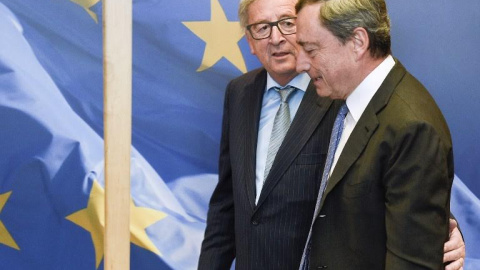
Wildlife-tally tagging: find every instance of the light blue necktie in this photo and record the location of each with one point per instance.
(281, 123)
(332, 147)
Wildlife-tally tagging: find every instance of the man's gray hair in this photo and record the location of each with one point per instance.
(342, 17)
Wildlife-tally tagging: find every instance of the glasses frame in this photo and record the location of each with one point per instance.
(271, 24)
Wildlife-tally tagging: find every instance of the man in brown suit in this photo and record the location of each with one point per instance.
(385, 196)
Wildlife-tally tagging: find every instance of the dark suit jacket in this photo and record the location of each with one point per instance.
(272, 234)
(386, 205)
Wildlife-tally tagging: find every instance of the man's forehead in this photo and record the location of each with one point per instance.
(264, 10)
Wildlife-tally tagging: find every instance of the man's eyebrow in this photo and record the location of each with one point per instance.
(280, 18)
(303, 43)
(287, 15)
(261, 21)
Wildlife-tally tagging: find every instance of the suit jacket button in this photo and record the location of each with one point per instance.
(255, 222)
(322, 267)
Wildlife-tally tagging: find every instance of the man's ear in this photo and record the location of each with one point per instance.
(360, 41)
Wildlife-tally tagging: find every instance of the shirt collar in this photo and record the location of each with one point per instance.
(358, 100)
(300, 82)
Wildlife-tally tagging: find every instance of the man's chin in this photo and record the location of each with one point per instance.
(285, 70)
(321, 91)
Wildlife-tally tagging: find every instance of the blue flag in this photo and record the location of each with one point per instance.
(184, 54)
(438, 44)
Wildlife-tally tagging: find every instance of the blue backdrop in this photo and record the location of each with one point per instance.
(51, 115)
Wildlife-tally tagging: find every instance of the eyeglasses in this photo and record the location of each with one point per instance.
(286, 26)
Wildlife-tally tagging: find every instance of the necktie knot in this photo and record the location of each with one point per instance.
(342, 113)
(285, 92)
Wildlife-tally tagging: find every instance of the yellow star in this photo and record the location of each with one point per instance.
(5, 237)
(221, 37)
(87, 4)
(92, 219)
(141, 218)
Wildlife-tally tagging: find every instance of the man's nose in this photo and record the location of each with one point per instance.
(276, 37)
(303, 64)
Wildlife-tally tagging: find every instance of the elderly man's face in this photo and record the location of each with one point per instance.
(326, 60)
(278, 52)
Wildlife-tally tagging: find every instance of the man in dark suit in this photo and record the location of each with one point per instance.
(386, 199)
(263, 221)
(263, 218)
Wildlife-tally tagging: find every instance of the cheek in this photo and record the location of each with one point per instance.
(261, 51)
(321, 64)
(252, 50)
(256, 46)
(333, 66)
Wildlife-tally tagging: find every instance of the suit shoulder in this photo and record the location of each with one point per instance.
(412, 94)
(249, 77)
(412, 105)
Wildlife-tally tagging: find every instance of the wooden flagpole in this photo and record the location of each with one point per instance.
(117, 68)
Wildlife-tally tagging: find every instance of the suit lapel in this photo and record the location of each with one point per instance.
(253, 99)
(353, 148)
(309, 114)
(365, 128)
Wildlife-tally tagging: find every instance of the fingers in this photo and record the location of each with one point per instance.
(454, 252)
(456, 265)
(452, 225)
(455, 241)
(454, 249)
(454, 255)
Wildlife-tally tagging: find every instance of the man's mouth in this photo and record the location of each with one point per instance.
(280, 54)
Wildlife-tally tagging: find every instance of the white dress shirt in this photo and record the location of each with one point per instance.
(270, 104)
(358, 100)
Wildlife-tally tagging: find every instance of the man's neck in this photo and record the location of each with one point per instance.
(370, 65)
(283, 80)
(366, 67)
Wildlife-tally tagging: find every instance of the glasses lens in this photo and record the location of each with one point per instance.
(260, 30)
(288, 26)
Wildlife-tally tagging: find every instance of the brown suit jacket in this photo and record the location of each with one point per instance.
(386, 205)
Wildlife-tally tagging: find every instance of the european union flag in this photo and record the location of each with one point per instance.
(184, 54)
(48, 152)
(51, 109)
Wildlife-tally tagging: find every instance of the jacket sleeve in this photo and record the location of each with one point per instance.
(417, 192)
(218, 246)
